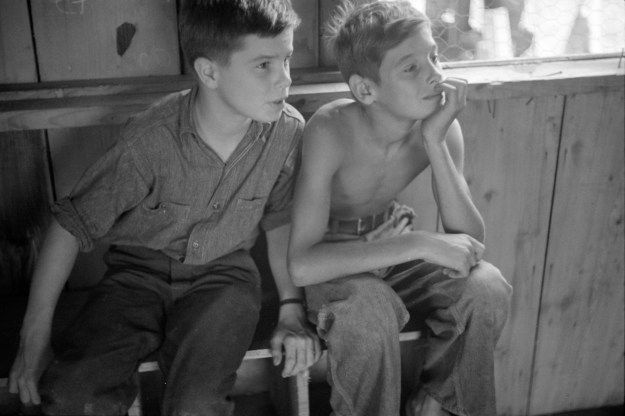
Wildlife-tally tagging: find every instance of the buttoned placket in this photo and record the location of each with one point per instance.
(201, 232)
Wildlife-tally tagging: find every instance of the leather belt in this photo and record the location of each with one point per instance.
(360, 226)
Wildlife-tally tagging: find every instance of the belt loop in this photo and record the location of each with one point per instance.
(359, 226)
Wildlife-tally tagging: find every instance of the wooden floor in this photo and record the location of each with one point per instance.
(260, 405)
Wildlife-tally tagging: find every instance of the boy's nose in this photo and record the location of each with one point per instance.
(436, 75)
(284, 80)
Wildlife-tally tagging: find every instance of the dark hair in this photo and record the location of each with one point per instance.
(213, 28)
(360, 36)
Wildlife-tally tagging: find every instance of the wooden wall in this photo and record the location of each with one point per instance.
(544, 160)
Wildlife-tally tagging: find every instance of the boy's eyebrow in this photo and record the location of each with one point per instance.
(270, 56)
(405, 58)
(409, 56)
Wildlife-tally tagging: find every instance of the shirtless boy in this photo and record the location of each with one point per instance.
(353, 247)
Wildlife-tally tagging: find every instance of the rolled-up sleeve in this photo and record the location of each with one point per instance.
(112, 186)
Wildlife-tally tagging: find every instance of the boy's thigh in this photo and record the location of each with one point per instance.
(359, 301)
(222, 305)
(98, 354)
(124, 312)
(423, 287)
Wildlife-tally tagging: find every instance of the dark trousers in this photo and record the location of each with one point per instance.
(200, 319)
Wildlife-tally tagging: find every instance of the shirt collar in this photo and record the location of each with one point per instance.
(256, 131)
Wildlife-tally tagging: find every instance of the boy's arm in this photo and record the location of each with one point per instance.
(313, 261)
(301, 345)
(444, 144)
(55, 262)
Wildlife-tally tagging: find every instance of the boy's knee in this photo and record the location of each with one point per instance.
(493, 283)
(71, 389)
(491, 292)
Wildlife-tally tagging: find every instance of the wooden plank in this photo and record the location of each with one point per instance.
(88, 39)
(510, 160)
(326, 9)
(17, 58)
(306, 39)
(72, 151)
(97, 103)
(23, 207)
(579, 352)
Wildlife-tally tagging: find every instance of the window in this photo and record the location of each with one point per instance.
(505, 29)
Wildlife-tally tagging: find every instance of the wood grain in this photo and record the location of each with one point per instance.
(579, 350)
(510, 161)
(81, 39)
(306, 37)
(17, 57)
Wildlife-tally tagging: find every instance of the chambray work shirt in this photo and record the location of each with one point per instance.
(163, 188)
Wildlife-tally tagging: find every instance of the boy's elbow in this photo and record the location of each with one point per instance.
(297, 271)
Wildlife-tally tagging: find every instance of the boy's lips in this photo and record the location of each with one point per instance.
(435, 95)
(279, 101)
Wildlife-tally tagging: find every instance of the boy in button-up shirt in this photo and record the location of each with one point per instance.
(180, 198)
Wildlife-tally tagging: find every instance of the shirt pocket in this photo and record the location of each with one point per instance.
(156, 226)
(248, 212)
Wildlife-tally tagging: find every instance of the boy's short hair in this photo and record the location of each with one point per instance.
(214, 29)
(361, 35)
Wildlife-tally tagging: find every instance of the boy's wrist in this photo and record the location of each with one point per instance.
(434, 144)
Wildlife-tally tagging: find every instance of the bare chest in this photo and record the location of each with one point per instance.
(369, 180)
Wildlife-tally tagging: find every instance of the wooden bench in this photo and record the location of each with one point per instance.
(297, 402)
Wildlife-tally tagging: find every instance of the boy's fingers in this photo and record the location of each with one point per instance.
(24, 396)
(455, 89)
(13, 384)
(402, 226)
(290, 356)
(310, 353)
(372, 235)
(276, 350)
(318, 350)
(34, 392)
(296, 356)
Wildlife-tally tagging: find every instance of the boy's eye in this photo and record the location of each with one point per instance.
(263, 65)
(411, 68)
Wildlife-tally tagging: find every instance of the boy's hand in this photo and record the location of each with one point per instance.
(434, 128)
(33, 357)
(456, 253)
(294, 335)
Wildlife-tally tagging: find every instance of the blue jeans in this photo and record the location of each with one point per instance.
(200, 319)
(360, 318)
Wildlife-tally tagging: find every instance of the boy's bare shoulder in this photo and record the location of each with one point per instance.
(334, 120)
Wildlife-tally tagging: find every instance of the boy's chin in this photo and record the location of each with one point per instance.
(427, 112)
(267, 117)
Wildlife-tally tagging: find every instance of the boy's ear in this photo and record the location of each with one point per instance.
(207, 71)
(362, 88)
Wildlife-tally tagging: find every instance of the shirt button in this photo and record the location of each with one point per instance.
(195, 245)
(216, 206)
